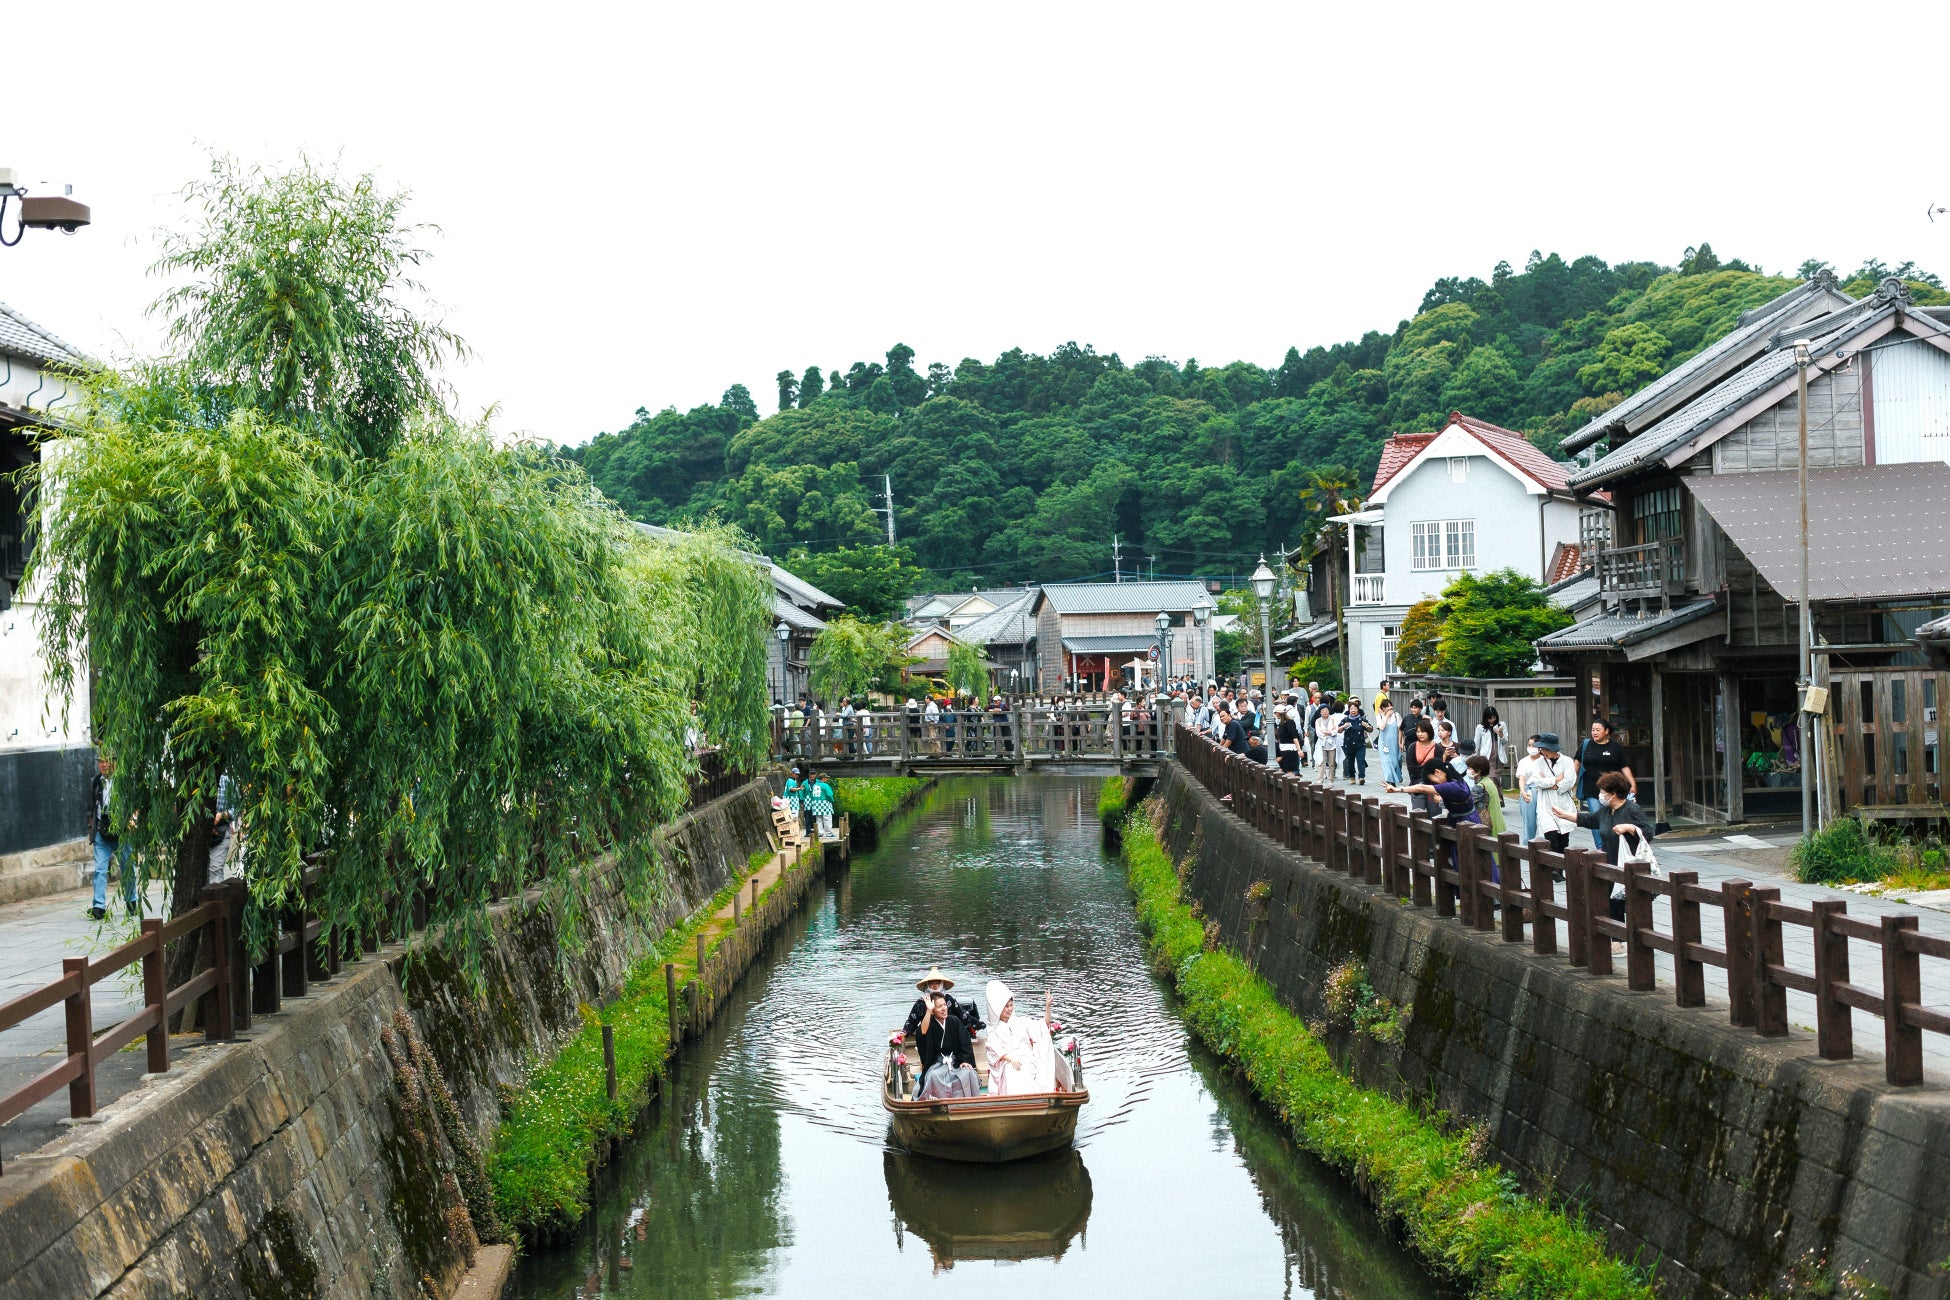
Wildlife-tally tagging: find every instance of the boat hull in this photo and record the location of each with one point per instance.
(987, 1130)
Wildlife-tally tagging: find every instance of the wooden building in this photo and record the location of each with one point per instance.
(1691, 654)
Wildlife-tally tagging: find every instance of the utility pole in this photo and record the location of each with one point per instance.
(1806, 661)
(1116, 558)
(887, 481)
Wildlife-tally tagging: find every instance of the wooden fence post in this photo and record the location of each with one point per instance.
(670, 1001)
(1834, 1018)
(1770, 998)
(296, 972)
(155, 994)
(1688, 972)
(1902, 985)
(81, 1038)
(1543, 926)
(1468, 900)
(609, 1060)
(1509, 881)
(227, 957)
(1597, 897)
(1372, 855)
(1641, 974)
(1419, 856)
(1737, 916)
(1577, 909)
(1117, 731)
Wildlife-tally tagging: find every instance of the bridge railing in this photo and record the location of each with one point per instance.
(1112, 732)
(1499, 884)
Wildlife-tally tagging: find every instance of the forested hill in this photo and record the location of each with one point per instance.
(1023, 468)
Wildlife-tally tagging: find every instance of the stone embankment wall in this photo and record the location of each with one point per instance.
(1713, 1157)
(301, 1160)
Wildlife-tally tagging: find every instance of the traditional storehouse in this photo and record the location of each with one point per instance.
(1692, 655)
(46, 756)
(1469, 498)
(1088, 632)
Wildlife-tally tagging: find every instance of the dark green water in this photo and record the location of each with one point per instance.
(766, 1169)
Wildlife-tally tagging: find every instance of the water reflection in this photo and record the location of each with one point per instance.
(1032, 1209)
(767, 1170)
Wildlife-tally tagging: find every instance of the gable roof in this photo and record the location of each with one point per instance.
(1511, 449)
(1828, 336)
(1125, 597)
(1803, 303)
(1011, 624)
(20, 337)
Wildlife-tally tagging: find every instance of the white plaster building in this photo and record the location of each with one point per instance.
(1471, 497)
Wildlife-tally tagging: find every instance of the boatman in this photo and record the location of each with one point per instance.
(930, 984)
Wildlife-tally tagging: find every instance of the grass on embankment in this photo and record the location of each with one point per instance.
(1112, 800)
(1461, 1214)
(552, 1127)
(875, 797)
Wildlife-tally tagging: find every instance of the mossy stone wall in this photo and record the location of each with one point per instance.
(1713, 1156)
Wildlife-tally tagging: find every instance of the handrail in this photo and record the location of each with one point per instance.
(1489, 882)
(1020, 734)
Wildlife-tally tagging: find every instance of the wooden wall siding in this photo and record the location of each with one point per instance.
(1706, 549)
(1770, 440)
(1887, 737)
(1756, 613)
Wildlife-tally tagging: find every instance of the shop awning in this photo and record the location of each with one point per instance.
(1108, 645)
(1874, 531)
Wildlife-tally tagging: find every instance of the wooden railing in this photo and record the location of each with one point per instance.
(1654, 569)
(1114, 732)
(1497, 883)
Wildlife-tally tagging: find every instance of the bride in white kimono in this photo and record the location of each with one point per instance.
(1022, 1057)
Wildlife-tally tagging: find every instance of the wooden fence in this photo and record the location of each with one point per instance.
(230, 988)
(1885, 758)
(1499, 884)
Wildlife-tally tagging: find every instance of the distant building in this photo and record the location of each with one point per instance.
(1468, 498)
(46, 759)
(1001, 621)
(1087, 633)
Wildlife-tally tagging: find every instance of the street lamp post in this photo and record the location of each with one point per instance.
(1804, 663)
(1263, 582)
(1164, 648)
(784, 634)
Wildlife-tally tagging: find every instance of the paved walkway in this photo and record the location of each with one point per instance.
(1762, 858)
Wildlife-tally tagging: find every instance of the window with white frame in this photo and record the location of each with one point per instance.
(1459, 469)
(1443, 544)
(1389, 637)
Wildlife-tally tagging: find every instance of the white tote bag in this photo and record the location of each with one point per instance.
(1635, 850)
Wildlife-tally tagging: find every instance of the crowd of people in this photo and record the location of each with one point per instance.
(1424, 755)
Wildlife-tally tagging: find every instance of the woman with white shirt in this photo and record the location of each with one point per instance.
(1327, 742)
(1532, 772)
(1493, 743)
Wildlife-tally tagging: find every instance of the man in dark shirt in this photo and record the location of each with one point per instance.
(1233, 730)
(1256, 748)
(1598, 755)
(930, 984)
(942, 1039)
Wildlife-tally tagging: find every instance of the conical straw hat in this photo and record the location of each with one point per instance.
(934, 973)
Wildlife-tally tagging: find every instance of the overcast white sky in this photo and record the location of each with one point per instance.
(641, 205)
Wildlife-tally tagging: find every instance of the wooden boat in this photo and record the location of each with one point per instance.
(984, 1129)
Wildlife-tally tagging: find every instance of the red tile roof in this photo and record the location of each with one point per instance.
(1567, 562)
(1512, 446)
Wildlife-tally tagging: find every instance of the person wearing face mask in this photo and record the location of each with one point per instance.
(1617, 821)
(1532, 772)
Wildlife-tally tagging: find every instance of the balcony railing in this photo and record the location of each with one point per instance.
(1654, 570)
(1369, 588)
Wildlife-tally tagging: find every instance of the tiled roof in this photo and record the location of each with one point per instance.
(1578, 589)
(1126, 597)
(794, 617)
(1618, 630)
(1754, 326)
(1108, 645)
(1010, 624)
(1395, 455)
(1399, 451)
(21, 337)
(1568, 562)
(1722, 399)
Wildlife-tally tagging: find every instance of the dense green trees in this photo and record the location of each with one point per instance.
(1481, 626)
(1023, 468)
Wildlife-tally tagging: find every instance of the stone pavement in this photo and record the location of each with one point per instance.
(1761, 858)
(34, 937)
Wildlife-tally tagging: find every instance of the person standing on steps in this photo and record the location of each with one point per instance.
(821, 805)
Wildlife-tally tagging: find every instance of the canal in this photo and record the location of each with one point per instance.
(766, 1170)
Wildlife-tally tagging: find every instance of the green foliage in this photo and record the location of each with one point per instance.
(1325, 669)
(874, 581)
(441, 662)
(1488, 625)
(968, 671)
(851, 657)
(553, 1125)
(1846, 850)
(874, 797)
(1419, 642)
(297, 302)
(1460, 1213)
(1112, 800)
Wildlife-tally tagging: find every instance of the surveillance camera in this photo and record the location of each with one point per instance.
(52, 212)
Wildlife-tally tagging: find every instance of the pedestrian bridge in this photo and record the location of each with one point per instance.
(1080, 740)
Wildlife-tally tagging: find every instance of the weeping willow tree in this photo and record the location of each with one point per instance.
(442, 665)
(968, 670)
